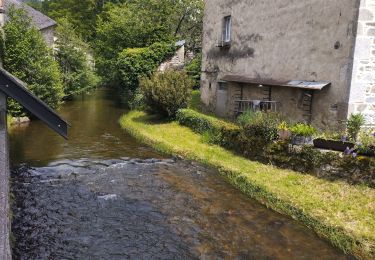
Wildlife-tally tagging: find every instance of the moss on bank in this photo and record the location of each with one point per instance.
(342, 213)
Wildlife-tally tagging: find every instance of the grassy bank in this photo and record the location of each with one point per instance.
(342, 213)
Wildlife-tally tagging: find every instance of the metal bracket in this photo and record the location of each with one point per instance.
(17, 90)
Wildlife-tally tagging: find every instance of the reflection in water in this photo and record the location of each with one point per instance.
(94, 133)
(111, 207)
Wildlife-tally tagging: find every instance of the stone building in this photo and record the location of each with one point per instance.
(45, 24)
(310, 60)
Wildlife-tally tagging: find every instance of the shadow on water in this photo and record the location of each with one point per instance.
(102, 195)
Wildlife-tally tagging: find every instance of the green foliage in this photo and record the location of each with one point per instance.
(132, 64)
(354, 124)
(283, 126)
(136, 100)
(333, 135)
(194, 70)
(261, 125)
(82, 14)
(367, 142)
(166, 93)
(27, 57)
(72, 55)
(215, 131)
(301, 129)
(140, 23)
(135, 24)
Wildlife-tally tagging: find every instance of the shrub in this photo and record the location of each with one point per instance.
(134, 63)
(165, 93)
(304, 130)
(215, 131)
(261, 125)
(354, 124)
(27, 56)
(283, 126)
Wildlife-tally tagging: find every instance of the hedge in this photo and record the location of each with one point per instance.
(304, 159)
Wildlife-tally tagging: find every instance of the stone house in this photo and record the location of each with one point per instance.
(177, 60)
(45, 24)
(310, 60)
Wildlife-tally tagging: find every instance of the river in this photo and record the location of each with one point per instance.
(103, 195)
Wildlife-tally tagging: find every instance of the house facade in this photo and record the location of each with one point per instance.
(45, 24)
(310, 60)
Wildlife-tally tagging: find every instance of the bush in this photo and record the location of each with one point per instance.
(215, 131)
(165, 93)
(261, 125)
(27, 56)
(354, 124)
(72, 55)
(134, 63)
(304, 130)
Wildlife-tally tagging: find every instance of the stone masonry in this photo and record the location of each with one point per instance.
(362, 94)
(283, 40)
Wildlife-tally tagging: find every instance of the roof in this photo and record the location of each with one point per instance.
(302, 84)
(40, 20)
(180, 43)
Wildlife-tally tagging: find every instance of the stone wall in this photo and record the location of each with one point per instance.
(284, 40)
(177, 61)
(362, 94)
(49, 35)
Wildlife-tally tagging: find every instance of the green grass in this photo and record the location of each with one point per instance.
(340, 212)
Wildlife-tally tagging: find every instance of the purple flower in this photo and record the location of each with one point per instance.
(347, 151)
(344, 138)
(354, 155)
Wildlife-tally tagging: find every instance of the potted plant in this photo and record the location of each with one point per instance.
(302, 134)
(333, 141)
(283, 131)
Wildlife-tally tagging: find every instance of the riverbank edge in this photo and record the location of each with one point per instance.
(136, 123)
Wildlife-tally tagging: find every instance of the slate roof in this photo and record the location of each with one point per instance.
(40, 20)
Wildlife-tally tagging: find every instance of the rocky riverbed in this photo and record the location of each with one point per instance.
(143, 209)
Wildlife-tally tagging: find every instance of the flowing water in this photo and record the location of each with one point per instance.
(102, 195)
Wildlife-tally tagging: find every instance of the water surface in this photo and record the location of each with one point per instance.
(102, 195)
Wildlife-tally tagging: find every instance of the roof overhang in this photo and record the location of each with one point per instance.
(301, 84)
(17, 90)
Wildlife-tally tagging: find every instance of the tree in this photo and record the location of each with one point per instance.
(27, 56)
(134, 24)
(72, 53)
(134, 63)
(188, 18)
(81, 13)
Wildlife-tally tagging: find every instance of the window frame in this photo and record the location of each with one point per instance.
(227, 30)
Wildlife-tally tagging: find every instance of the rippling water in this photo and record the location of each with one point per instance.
(102, 195)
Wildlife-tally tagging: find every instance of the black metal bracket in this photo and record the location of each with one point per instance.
(17, 90)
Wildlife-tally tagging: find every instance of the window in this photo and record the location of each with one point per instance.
(227, 30)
